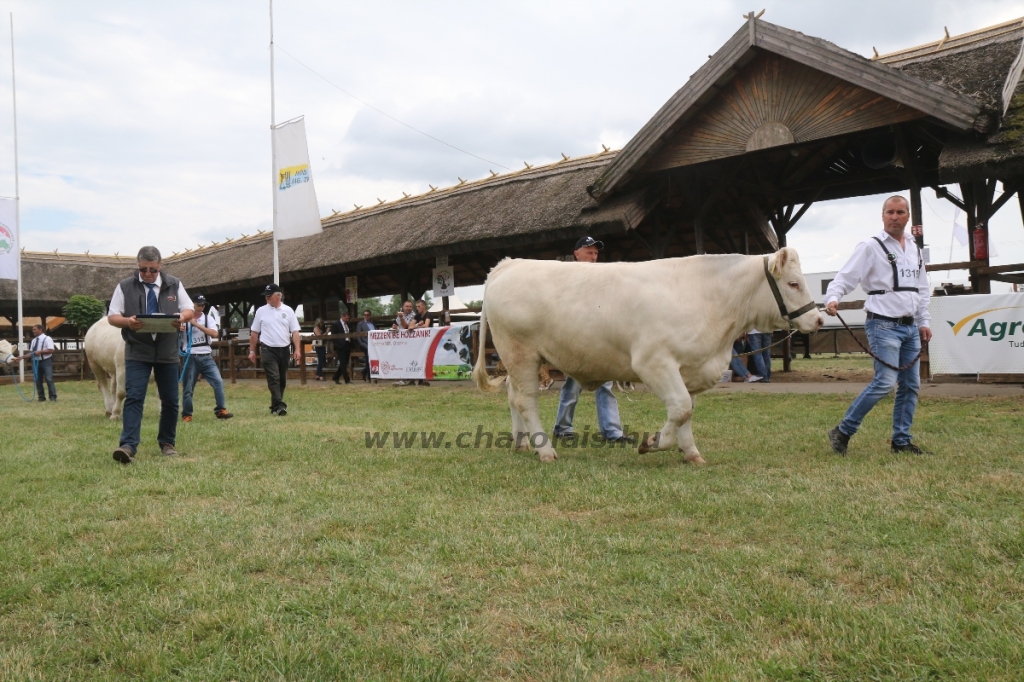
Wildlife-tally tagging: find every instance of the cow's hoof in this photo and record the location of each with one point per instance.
(694, 459)
(109, 415)
(548, 457)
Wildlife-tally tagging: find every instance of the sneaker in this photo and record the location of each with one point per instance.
(628, 440)
(223, 414)
(567, 438)
(753, 379)
(186, 418)
(167, 450)
(909, 448)
(839, 441)
(399, 383)
(281, 412)
(124, 454)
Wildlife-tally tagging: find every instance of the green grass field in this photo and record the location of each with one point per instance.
(284, 548)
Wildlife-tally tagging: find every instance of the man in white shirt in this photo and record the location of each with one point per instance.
(274, 327)
(890, 267)
(205, 327)
(149, 292)
(41, 350)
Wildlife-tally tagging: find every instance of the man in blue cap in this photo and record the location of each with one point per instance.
(608, 419)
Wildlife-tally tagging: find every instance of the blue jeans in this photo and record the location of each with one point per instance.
(736, 364)
(201, 364)
(136, 381)
(44, 372)
(762, 360)
(896, 344)
(608, 419)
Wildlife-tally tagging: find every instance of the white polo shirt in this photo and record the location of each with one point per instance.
(870, 267)
(275, 325)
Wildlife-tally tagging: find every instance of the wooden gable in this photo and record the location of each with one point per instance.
(775, 101)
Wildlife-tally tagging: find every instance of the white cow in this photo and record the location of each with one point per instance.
(668, 323)
(6, 352)
(104, 347)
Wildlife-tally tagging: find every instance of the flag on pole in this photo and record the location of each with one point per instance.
(8, 239)
(297, 212)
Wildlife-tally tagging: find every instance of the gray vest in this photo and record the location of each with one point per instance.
(142, 347)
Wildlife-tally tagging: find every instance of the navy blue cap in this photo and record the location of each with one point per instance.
(272, 289)
(588, 241)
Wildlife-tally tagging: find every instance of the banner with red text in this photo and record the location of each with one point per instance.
(428, 353)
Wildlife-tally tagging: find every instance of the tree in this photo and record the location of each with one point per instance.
(83, 311)
(475, 304)
(394, 305)
(374, 305)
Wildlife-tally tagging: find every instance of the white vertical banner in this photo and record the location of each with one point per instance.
(8, 239)
(297, 212)
(444, 281)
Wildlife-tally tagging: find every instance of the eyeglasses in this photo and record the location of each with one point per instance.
(152, 271)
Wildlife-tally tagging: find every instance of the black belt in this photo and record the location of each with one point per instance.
(907, 320)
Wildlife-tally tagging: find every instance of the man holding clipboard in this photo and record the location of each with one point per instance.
(150, 307)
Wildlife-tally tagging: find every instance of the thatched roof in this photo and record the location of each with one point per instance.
(546, 203)
(978, 65)
(49, 280)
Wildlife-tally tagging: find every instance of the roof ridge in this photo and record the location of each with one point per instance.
(948, 42)
(86, 257)
(472, 185)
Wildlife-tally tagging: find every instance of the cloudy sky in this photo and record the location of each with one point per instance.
(148, 122)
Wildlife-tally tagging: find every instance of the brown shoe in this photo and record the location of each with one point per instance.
(223, 414)
(124, 454)
(167, 450)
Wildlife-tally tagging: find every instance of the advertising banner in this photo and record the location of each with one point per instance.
(979, 334)
(8, 246)
(429, 353)
(297, 212)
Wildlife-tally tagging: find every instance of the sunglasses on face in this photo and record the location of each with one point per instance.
(152, 271)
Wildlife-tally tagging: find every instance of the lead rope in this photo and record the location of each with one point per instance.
(868, 350)
(14, 378)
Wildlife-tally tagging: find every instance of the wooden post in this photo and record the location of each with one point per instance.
(231, 361)
(787, 358)
(447, 315)
(916, 216)
(302, 361)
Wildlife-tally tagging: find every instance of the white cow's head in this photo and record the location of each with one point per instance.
(6, 352)
(784, 272)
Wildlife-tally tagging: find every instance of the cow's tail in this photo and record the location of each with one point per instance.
(484, 380)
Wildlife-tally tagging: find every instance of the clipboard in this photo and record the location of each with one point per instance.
(157, 324)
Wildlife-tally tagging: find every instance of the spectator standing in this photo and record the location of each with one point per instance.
(422, 318)
(363, 342)
(319, 331)
(406, 318)
(342, 347)
(274, 327)
(761, 341)
(737, 364)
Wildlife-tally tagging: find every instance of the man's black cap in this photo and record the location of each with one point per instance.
(588, 241)
(272, 289)
(199, 299)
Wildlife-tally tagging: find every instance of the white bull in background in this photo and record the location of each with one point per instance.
(669, 323)
(6, 353)
(104, 347)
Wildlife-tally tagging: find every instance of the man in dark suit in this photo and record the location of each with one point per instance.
(365, 325)
(342, 347)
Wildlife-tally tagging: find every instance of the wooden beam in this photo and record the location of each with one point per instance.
(961, 265)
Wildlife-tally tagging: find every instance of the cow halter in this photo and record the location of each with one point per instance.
(778, 298)
(7, 360)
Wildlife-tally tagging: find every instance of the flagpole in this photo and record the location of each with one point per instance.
(17, 208)
(273, 146)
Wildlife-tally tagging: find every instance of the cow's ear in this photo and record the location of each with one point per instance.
(779, 262)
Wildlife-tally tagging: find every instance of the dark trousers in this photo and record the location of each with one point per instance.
(343, 354)
(136, 381)
(366, 363)
(275, 366)
(321, 360)
(44, 372)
